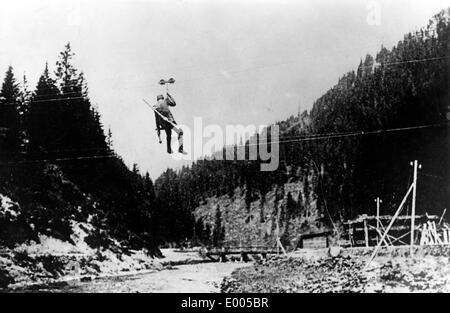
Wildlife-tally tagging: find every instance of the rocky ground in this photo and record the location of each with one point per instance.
(176, 272)
(188, 278)
(55, 262)
(393, 271)
(53, 266)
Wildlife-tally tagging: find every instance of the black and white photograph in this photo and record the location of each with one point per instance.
(224, 147)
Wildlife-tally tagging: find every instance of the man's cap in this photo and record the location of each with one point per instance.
(159, 97)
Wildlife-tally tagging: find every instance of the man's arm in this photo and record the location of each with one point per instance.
(170, 100)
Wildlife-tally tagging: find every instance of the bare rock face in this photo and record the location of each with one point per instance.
(334, 251)
(256, 223)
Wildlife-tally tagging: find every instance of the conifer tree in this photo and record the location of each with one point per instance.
(43, 120)
(82, 131)
(11, 138)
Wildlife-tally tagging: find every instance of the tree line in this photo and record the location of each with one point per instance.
(406, 86)
(57, 161)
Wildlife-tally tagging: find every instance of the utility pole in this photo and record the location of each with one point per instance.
(413, 209)
(378, 201)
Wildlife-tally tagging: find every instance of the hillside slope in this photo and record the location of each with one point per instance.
(60, 176)
(355, 144)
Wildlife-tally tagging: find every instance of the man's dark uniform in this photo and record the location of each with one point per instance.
(163, 108)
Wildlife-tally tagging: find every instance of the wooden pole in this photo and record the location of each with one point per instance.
(378, 201)
(442, 216)
(380, 234)
(281, 246)
(413, 209)
(160, 115)
(366, 233)
(389, 226)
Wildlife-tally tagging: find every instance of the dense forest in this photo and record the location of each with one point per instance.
(60, 167)
(355, 144)
(394, 108)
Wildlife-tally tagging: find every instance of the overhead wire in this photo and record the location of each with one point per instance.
(297, 138)
(350, 134)
(59, 159)
(239, 70)
(324, 136)
(232, 71)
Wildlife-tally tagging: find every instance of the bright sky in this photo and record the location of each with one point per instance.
(235, 62)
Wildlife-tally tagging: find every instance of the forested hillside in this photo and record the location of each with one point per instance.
(59, 167)
(355, 144)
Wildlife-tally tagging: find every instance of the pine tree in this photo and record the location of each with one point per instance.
(43, 120)
(24, 97)
(10, 121)
(66, 74)
(82, 131)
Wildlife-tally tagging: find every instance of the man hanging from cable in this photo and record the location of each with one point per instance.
(165, 121)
